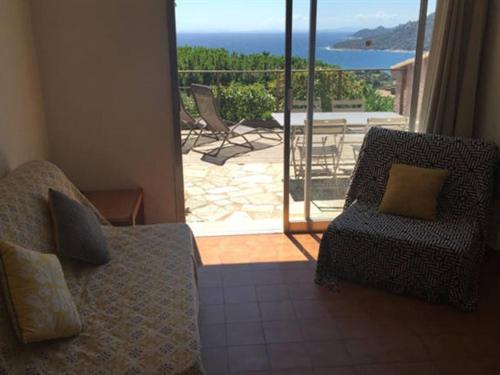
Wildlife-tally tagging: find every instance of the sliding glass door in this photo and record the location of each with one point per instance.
(366, 63)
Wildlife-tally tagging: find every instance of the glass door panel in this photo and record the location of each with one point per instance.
(366, 55)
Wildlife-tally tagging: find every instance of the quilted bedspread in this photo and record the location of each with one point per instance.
(139, 311)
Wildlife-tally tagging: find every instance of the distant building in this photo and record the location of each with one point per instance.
(403, 75)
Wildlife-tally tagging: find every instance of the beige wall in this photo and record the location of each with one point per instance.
(22, 131)
(488, 97)
(104, 68)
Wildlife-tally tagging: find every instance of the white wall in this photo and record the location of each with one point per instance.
(488, 98)
(106, 84)
(22, 129)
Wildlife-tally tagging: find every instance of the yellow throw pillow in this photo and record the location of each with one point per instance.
(36, 294)
(413, 191)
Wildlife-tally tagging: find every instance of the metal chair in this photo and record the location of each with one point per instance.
(324, 153)
(299, 105)
(195, 126)
(349, 105)
(395, 123)
(220, 128)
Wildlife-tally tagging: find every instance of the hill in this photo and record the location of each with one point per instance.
(400, 37)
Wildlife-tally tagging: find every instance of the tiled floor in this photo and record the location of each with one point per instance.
(261, 314)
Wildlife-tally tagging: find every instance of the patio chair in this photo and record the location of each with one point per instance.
(195, 126)
(299, 105)
(395, 123)
(326, 151)
(224, 130)
(439, 260)
(349, 105)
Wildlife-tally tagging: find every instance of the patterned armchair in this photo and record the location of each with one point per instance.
(435, 260)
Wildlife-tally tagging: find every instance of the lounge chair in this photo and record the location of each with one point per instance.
(195, 126)
(220, 128)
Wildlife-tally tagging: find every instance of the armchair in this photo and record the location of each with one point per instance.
(435, 260)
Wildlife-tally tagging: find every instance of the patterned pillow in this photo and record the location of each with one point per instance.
(39, 302)
(77, 231)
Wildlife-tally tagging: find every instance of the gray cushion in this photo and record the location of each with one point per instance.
(77, 231)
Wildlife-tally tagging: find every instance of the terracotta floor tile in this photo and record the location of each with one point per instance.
(447, 346)
(245, 334)
(248, 358)
(237, 278)
(311, 309)
(328, 353)
(461, 366)
(308, 291)
(289, 356)
(294, 372)
(242, 312)
(215, 360)
(211, 296)
(239, 294)
(344, 370)
(209, 278)
(319, 329)
(399, 369)
(300, 276)
(268, 292)
(404, 349)
(282, 331)
(268, 277)
(272, 293)
(213, 335)
(281, 310)
(212, 314)
(356, 328)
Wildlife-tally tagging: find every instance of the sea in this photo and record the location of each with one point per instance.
(274, 43)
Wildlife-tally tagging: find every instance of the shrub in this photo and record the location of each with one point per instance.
(374, 102)
(239, 101)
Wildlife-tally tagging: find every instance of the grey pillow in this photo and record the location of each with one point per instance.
(77, 231)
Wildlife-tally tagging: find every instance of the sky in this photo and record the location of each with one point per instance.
(269, 15)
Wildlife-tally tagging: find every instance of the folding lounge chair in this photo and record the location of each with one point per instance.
(195, 127)
(224, 130)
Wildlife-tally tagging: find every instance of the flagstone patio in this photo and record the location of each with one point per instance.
(245, 194)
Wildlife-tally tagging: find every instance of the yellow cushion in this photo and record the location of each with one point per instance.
(413, 191)
(38, 299)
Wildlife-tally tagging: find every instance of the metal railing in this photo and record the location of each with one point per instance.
(334, 85)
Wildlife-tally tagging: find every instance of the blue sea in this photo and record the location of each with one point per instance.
(274, 43)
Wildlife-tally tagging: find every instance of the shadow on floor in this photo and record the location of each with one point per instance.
(269, 317)
(234, 151)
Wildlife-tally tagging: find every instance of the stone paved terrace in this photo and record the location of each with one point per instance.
(245, 194)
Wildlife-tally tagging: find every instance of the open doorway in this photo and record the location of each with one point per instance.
(232, 72)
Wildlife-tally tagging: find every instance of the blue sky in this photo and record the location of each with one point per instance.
(269, 15)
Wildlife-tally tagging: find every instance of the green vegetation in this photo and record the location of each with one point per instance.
(255, 96)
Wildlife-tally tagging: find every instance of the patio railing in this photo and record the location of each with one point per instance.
(255, 94)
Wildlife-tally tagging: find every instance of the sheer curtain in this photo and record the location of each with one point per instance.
(449, 98)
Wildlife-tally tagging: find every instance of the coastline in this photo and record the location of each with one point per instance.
(333, 49)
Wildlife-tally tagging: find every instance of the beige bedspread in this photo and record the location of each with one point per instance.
(139, 311)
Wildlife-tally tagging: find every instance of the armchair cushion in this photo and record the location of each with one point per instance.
(413, 191)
